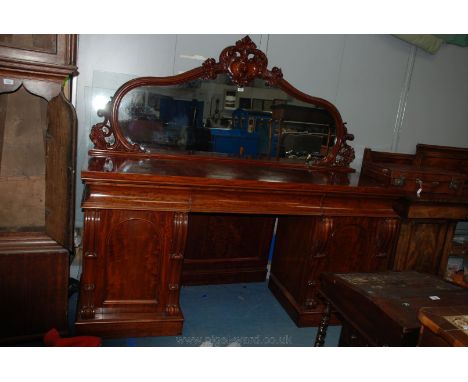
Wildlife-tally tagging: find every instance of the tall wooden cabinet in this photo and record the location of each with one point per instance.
(37, 172)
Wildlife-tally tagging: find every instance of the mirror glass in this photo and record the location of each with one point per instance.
(215, 117)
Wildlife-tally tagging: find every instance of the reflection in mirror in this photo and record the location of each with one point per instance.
(216, 117)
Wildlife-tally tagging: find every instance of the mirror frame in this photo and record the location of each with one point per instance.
(242, 62)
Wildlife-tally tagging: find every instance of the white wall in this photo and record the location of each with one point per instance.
(437, 108)
(362, 75)
(365, 76)
(104, 63)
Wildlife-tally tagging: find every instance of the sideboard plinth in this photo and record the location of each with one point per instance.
(131, 325)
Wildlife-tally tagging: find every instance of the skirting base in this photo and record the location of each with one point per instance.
(300, 316)
(131, 325)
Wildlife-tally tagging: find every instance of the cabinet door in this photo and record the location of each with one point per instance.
(347, 244)
(60, 170)
(307, 246)
(424, 245)
(126, 256)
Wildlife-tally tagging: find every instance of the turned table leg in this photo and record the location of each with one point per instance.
(322, 330)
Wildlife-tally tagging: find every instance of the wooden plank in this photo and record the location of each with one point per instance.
(60, 170)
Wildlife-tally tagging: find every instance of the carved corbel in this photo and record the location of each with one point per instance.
(321, 237)
(88, 287)
(322, 233)
(386, 230)
(176, 256)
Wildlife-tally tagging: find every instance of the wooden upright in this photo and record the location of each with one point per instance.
(37, 179)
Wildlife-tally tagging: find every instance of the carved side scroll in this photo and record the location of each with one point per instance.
(103, 136)
(100, 135)
(345, 154)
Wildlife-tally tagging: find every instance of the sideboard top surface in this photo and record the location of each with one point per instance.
(191, 173)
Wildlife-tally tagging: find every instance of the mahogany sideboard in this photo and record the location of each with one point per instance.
(176, 191)
(136, 220)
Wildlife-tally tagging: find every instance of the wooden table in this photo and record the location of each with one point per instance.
(381, 309)
(444, 326)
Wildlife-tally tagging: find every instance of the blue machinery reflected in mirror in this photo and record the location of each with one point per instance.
(215, 117)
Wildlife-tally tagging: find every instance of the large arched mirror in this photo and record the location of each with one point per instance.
(234, 108)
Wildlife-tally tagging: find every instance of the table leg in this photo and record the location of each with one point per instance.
(322, 330)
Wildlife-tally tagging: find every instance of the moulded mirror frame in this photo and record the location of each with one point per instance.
(243, 63)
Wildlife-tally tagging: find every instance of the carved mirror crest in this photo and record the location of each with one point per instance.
(235, 108)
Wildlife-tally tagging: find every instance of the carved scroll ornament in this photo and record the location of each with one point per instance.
(243, 62)
(345, 154)
(103, 135)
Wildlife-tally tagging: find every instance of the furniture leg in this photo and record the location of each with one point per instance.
(322, 330)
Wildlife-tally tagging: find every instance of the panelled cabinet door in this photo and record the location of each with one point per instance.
(131, 273)
(424, 245)
(348, 244)
(308, 246)
(125, 262)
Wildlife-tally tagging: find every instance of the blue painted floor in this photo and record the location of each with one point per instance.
(239, 314)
